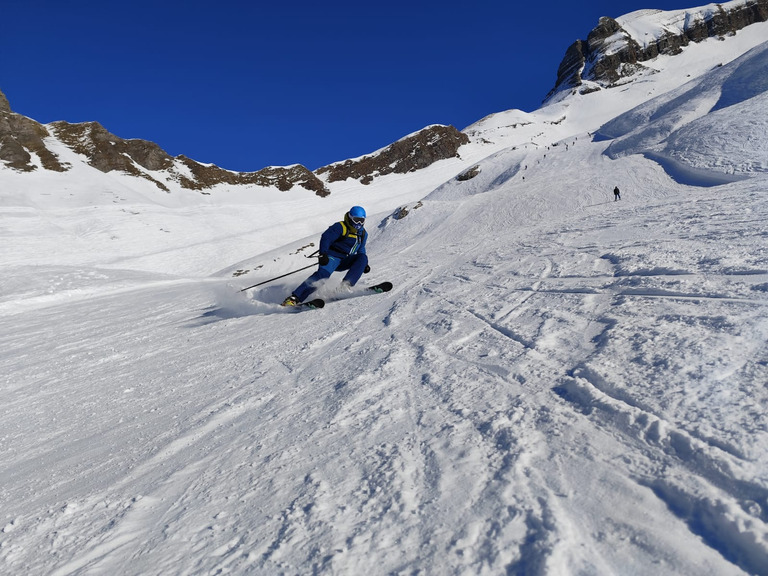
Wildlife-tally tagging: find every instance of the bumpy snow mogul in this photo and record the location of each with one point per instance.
(319, 302)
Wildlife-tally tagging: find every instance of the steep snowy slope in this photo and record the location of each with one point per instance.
(82, 215)
(558, 384)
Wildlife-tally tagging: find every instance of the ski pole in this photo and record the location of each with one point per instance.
(278, 277)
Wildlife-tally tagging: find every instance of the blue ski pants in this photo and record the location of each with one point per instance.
(354, 265)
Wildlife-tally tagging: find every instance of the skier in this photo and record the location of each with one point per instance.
(342, 247)
(616, 194)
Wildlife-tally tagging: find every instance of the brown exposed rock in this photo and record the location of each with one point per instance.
(406, 155)
(403, 211)
(569, 71)
(107, 152)
(20, 137)
(5, 106)
(589, 60)
(283, 178)
(469, 174)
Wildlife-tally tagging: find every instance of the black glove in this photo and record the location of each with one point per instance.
(322, 259)
(367, 269)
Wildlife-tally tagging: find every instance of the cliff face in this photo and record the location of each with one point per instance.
(610, 54)
(20, 138)
(409, 154)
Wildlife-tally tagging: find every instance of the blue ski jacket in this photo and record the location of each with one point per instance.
(342, 240)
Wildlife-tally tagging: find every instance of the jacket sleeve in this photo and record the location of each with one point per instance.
(329, 237)
(362, 246)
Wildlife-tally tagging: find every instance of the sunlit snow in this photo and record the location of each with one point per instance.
(559, 383)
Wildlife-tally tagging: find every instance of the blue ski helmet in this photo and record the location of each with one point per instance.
(356, 215)
(357, 212)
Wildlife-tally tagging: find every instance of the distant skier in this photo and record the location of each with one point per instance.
(342, 247)
(616, 194)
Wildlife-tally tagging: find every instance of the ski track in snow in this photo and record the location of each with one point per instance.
(557, 384)
(561, 381)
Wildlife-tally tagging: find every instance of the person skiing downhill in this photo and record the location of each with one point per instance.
(342, 247)
(616, 194)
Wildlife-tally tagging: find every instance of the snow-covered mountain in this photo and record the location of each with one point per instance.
(559, 383)
(28, 147)
(612, 55)
(615, 50)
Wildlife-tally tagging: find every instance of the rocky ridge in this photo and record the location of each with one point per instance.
(23, 148)
(20, 137)
(106, 152)
(408, 154)
(611, 55)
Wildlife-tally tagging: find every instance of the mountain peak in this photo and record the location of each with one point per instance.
(5, 106)
(21, 142)
(23, 148)
(615, 49)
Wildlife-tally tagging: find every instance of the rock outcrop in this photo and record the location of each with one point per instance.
(23, 148)
(21, 138)
(106, 152)
(610, 55)
(409, 154)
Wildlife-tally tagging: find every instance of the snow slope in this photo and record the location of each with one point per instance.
(694, 125)
(646, 26)
(558, 384)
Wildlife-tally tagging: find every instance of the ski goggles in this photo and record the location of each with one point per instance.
(357, 221)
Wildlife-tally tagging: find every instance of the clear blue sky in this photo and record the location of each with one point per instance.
(250, 84)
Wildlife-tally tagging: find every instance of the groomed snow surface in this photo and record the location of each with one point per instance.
(559, 383)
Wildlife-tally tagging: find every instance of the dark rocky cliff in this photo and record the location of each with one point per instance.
(591, 60)
(409, 154)
(20, 138)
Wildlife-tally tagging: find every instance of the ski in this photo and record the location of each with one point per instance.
(319, 302)
(362, 291)
(382, 287)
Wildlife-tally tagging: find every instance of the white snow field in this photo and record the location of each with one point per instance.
(558, 384)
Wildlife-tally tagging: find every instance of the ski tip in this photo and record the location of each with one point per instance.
(383, 287)
(316, 303)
